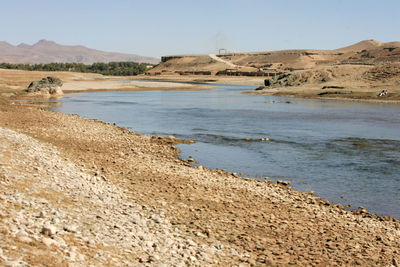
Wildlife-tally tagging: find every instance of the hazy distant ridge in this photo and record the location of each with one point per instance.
(48, 51)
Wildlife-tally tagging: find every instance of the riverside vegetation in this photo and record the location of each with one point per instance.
(111, 68)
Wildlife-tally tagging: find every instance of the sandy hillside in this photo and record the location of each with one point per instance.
(369, 51)
(356, 72)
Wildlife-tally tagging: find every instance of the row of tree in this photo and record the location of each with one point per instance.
(111, 68)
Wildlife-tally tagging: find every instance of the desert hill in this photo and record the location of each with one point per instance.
(359, 71)
(366, 44)
(46, 51)
(272, 62)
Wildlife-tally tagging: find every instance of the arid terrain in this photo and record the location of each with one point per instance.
(357, 72)
(80, 192)
(14, 82)
(86, 192)
(270, 63)
(339, 82)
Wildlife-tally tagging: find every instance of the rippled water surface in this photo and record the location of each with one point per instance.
(346, 152)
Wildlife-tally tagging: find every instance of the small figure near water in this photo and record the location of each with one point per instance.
(383, 93)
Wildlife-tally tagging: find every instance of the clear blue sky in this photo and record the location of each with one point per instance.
(162, 27)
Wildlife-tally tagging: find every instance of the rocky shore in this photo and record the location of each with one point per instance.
(80, 192)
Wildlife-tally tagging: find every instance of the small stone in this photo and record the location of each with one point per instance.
(284, 183)
(395, 262)
(154, 257)
(71, 228)
(80, 257)
(23, 237)
(358, 262)
(361, 209)
(49, 230)
(219, 247)
(49, 242)
(71, 255)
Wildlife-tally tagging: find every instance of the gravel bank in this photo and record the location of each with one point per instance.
(83, 192)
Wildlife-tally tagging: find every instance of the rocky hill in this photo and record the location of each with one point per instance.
(46, 51)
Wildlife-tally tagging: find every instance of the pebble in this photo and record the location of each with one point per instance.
(219, 246)
(49, 230)
(49, 242)
(23, 237)
(72, 228)
(94, 205)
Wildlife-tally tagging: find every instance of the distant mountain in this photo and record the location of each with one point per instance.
(46, 51)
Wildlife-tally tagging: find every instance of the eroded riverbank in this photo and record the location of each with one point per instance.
(190, 215)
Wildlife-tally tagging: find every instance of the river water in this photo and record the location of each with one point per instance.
(347, 152)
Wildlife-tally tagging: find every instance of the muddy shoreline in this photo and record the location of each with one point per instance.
(225, 218)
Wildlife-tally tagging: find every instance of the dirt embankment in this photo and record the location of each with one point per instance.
(353, 82)
(84, 192)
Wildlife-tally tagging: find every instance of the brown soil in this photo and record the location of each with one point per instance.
(363, 70)
(348, 82)
(365, 52)
(14, 82)
(250, 222)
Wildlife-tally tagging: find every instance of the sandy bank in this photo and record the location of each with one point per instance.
(121, 84)
(15, 81)
(82, 191)
(368, 95)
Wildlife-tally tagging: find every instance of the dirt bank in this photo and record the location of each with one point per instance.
(16, 81)
(82, 191)
(345, 82)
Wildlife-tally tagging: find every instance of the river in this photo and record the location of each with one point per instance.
(346, 152)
